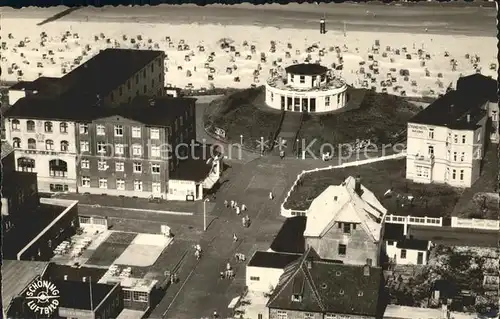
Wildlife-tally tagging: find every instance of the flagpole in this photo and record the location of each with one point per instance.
(90, 289)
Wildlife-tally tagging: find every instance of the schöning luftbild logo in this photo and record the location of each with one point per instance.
(42, 297)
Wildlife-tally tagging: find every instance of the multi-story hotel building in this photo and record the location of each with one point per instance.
(41, 125)
(131, 150)
(446, 140)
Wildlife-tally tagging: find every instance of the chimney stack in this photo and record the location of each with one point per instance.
(366, 270)
(369, 261)
(468, 118)
(84, 279)
(65, 277)
(335, 198)
(357, 185)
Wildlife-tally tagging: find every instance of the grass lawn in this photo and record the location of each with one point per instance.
(111, 249)
(382, 118)
(476, 202)
(431, 200)
(243, 113)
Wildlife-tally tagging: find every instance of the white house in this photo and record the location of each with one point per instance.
(44, 146)
(264, 269)
(445, 141)
(402, 250)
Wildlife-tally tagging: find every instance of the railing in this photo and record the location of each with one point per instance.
(278, 82)
(460, 222)
(412, 220)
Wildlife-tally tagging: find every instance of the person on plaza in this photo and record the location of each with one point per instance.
(197, 254)
(215, 315)
(235, 204)
(235, 238)
(226, 204)
(221, 274)
(176, 279)
(237, 210)
(198, 247)
(282, 154)
(244, 221)
(243, 207)
(271, 196)
(232, 204)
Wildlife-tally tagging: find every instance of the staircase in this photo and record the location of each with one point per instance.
(292, 121)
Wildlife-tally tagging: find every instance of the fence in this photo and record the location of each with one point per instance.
(475, 223)
(293, 212)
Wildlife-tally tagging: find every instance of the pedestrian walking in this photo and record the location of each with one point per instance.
(282, 154)
(221, 274)
(237, 210)
(271, 196)
(176, 279)
(243, 207)
(244, 222)
(232, 204)
(226, 204)
(235, 238)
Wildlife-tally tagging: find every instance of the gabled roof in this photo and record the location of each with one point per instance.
(6, 149)
(341, 203)
(327, 287)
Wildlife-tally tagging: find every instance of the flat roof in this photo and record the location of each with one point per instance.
(56, 272)
(306, 69)
(129, 283)
(141, 109)
(76, 294)
(16, 275)
(413, 244)
(290, 237)
(130, 314)
(453, 236)
(393, 231)
(266, 259)
(195, 168)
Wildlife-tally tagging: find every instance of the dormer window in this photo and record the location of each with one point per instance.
(360, 294)
(347, 228)
(302, 79)
(341, 291)
(297, 298)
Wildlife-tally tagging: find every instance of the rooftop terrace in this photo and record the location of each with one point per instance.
(280, 82)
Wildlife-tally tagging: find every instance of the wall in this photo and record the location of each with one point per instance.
(41, 156)
(411, 255)
(293, 314)
(475, 223)
(9, 162)
(360, 246)
(112, 305)
(267, 277)
(179, 190)
(290, 213)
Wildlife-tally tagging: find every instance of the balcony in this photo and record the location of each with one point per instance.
(424, 160)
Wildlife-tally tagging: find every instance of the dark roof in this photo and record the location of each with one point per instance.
(328, 287)
(415, 244)
(195, 168)
(453, 236)
(393, 231)
(76, 294)
(268, 259)
(107, 70)
(290, 238)
(44, 85)
(451, 110)
(140, 109)
(56, 272)
(306, 69)
(479, 84)
(13, 181)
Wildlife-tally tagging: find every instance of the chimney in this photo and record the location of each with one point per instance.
(335, 198)
(357, 185)
(468, 118)
(65, 277)
(84, 279)
(369, 261)
(366, 270)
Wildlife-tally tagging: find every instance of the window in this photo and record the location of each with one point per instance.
(136, 132)
(403, 253)
(63, 127)
(49, 145)
(15, 125)
(463, 139)
(84, 146)
(455, 156)
(254, 278)
(272, 96)
(462, 156)
(128, 84)
(102, 165)
(291, 77)
(85, 163)
(155, 168)
(64, 146)
(120, 91)
(145, 89)
(155, 151)
(455, 138)
(156, 187)
(302, 79)
(30, 126)
(120, 184)
(85, 181)
(25, 164)
(155, 133)
(103, 183)
(84, 129)
(137, 167)
(118, 130)
(422, 171)
(101, 147)
(101, 130)
(281, 315)
(431, 150)
(31, 143)
(296, 298)
(138, 185)
(308, 316)
(461, 174)
(494, 116)
(58, 168)
(136, 78)
(140, 296)
(119, 166)
(119, 149)
(136, 150)
(48, 127)
(347, 228)
(16, 142)
(327, 101)
(144, 73)
(342, 249)
(431, 133)
(454, 174)
(330, 316)
(390, 242)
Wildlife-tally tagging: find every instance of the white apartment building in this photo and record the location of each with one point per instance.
(445, 141)
(46, 147)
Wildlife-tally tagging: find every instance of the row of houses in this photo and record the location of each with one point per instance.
(108, 127)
